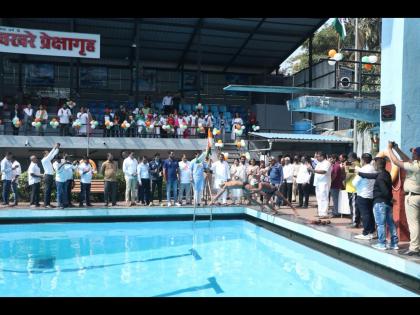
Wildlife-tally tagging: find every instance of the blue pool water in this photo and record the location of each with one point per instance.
(176, 258)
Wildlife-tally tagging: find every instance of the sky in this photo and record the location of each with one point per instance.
(286, 64)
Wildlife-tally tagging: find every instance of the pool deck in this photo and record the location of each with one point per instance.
(335, 234)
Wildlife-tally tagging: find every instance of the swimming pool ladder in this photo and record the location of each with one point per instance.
(195, 212)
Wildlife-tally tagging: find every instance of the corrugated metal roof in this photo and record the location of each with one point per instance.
(301, 137)
(253, 45)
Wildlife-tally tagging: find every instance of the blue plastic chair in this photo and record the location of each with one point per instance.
(214, 108)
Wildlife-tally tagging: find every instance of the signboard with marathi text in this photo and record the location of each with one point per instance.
(50, 43)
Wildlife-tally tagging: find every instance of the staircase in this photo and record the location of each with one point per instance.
(234, 152)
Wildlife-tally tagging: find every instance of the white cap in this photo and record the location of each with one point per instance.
(1, 104)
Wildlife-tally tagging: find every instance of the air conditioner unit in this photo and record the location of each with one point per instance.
(345, 78)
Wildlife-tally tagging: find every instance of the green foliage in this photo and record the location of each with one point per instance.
(363, 126)
(327, 38)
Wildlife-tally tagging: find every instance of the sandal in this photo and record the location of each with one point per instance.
(317, 222)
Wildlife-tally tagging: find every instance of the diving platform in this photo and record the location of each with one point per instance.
(294, 90)
(352, 108)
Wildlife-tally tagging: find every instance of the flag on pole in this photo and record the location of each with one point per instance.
(209, 139)
(339, 26)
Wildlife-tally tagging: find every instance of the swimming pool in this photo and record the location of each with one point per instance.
(172, 258)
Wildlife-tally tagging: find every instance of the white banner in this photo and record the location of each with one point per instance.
(50, 43)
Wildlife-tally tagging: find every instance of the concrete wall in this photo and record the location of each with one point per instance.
(400, 81)
(276, 117)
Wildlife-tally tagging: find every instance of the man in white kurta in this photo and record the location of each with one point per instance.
(220, 174)
(322, 183)
(237, 172)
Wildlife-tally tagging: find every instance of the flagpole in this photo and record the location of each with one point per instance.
(356, 76)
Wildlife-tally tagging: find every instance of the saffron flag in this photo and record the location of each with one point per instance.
(209, 139)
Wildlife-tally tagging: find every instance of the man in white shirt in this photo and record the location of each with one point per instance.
(49, 173)
(185, 180)
(61, 183)
(17, 171)
(322, 183)
(209, 120)
(167, 104)
(69, 169)
(64, 115)
(6, 176)
(34, 180)
(84, 120)
(221, 175)
(364, 199)
(143, 177)
(28, 116)
(193, 123)
(130, 174)
(288, 170)
(303, 179)
(86, 174)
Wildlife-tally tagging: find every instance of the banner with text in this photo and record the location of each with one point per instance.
(50, 43)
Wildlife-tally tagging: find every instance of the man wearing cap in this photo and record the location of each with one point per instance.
(412, 193)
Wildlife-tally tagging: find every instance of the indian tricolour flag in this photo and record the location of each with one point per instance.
(340, 27)
(209, 139)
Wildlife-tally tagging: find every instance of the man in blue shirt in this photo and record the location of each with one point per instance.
(275, 173)
(171, 175)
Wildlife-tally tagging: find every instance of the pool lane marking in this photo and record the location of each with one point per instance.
(195, 254)
(192, 252)
(211, 285)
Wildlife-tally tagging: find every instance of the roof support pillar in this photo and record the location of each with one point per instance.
(198, 81)
(310, 66)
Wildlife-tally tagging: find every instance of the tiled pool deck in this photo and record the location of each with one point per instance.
(334, 235)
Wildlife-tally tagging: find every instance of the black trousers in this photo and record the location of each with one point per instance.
(69, 186)
(48, 186)
(304, 190)
(365, 206)
(84, 193)
(287, 191)
(15, 130)
(110, 192)
(7, 184)
(144, 191)
(34, 198)
(157, 184)
(355, 212)
(64, 129)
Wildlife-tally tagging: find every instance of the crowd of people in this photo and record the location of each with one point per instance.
(142, 121)
(365, 181)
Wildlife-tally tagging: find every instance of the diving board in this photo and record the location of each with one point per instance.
(291, 90)
(352, 108)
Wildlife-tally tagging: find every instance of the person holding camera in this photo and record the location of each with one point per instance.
(60, 182)
(412, 193)
(69, 169)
